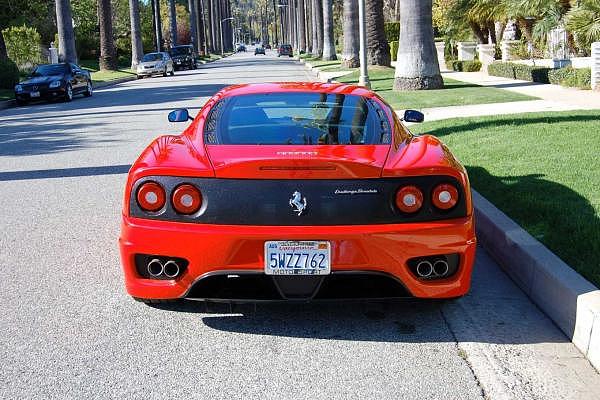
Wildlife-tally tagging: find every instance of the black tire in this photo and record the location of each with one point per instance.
(139, 76)
(89, 90)
(68, 93)
(21, 102)
(172, 73)
(165, 72)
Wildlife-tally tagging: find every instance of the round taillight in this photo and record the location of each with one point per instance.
(409, 199)
(187, 199)
(151, 196)
(445, 196)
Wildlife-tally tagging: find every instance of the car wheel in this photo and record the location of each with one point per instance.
(165, 72)
(139, 76)
(89, 90)
(68, 92)
(172, 72)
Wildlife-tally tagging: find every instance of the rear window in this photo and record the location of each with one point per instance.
(297, 119)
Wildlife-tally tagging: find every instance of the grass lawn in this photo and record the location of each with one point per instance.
(455, 93)
(103, 76)
(6, 94)
(543, 170)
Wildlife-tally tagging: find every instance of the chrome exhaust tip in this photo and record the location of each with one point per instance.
(171, 269)
(424, 269)
(155, 267)
(440, 267)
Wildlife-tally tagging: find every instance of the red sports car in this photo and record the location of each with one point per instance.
(296, 191)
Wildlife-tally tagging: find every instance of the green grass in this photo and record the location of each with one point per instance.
(104, 76)
(6, 94)
(543, 170)
(455, 93)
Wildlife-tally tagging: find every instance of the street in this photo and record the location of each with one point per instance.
(69, 330)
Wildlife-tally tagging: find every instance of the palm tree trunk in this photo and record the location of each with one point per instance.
(209, 27)
(173, 23)
(417, 67)
(108, 56)
(66, 36)
(328, 40)
(193, 26)
(201, 31)
(137, 50)
(378, 49)
(3, 53)
(157, 24)
(350, 58)
(301, 17)
(317, 28)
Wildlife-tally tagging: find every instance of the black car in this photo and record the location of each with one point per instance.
(54, 81)
(240, 48)
(285, 50)
(259, 50)
(183, 57)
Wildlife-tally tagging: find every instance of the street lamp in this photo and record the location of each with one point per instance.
(223, 20)
(363, 79)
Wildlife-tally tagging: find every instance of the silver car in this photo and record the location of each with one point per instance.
(154, 64)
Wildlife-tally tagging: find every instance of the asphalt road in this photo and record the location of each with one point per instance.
(68, 329)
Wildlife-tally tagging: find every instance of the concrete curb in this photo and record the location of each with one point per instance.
(7, 104)
(566, 297)
(101, 85)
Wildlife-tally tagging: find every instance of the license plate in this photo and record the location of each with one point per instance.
(34, 94)
(297, 258)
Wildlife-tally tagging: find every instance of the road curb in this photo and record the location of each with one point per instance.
(101, 85)
(7, 104)
(571, 301)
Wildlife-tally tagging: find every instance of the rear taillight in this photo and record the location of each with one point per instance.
(187, 199)
(151, 196)
(409, 199)
(444, 196)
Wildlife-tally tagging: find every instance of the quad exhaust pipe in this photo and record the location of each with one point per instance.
(424, 269)
(157, 269)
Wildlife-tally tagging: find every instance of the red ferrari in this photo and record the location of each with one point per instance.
(296, 191)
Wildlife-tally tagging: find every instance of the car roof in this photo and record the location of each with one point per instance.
(295, 87)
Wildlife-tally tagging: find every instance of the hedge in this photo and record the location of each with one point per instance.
(394, 49)
(571, 77)
(23, 46)
(463, 66)
(9, 74)
(392, 31)
(519, 71)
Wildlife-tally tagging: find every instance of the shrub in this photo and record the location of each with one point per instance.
(502, 69)
(392, 31)
(23, 46)
(519, 71)
(9, 74)
(464, 66)
(571, 77)
(394, 49)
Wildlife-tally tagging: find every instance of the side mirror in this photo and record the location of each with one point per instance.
(413, 116)
(179, 115)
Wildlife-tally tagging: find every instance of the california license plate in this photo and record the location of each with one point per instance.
(34, 94)
(297, 258)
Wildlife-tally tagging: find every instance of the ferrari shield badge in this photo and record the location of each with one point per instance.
(298, 203)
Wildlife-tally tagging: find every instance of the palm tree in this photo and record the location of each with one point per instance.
(350, 58)
(317, 28)
(108, 56)
(66, 36)
(137, 49)
(301, 16)
(3, 53)
(193, 26)
(378, 49)
(584, 22)
(200, 25)
(417, 67)
(173, 22)
(328, 40)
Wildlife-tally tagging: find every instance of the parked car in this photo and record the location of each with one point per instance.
(240, 48)
(285, 50)
(259, 50)
(296, 191)
(183, 56)
(154, 64)
(268, 46)
(54, 81)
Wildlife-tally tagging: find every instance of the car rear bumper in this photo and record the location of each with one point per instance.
(238, 251)
(153, 71)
